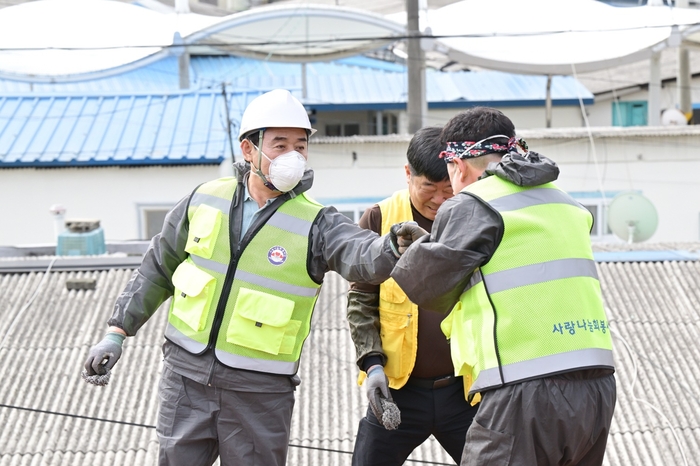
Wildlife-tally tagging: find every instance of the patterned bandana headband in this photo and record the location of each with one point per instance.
(471, 149)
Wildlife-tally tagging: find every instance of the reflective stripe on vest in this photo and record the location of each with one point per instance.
(535, 308)
(540, 273)
(265, 317)
(590, 357)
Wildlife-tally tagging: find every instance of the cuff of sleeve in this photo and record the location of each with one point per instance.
(115, 337)
(370, 361)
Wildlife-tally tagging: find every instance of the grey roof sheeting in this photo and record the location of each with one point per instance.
(55, 418)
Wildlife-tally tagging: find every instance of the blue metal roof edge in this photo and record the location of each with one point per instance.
(645, 256)
(509, 103)
(113, 163)
(445, 105)
(350, 200)
(127, 93)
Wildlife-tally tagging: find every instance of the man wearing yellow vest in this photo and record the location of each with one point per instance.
(510, 256)
(243, 259)
(400, 346)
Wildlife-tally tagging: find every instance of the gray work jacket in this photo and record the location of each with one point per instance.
(337, 244)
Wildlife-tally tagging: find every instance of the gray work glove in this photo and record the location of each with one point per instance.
(403, 235)
(104, 355)
(376, 384)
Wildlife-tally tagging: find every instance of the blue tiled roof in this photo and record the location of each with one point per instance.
(353, 82)
(165, 129)
(142, 117)
(371, 84)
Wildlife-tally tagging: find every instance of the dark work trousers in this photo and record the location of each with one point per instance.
(198, 423)
(441, 412)
(543, 422)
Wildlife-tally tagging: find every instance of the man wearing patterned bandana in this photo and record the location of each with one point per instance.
(243, 259)
(509, 258)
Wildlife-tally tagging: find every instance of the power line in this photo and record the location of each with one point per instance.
(151, 426)
(243, 41)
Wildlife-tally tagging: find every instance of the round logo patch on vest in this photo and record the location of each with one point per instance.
(277, 255)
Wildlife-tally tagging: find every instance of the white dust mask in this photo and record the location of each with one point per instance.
(286, 170)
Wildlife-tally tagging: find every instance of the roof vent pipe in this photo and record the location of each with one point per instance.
(59, 213)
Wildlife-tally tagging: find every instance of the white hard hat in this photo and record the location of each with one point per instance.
(274, 109)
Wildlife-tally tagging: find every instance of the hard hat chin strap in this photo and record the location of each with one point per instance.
(257, 169)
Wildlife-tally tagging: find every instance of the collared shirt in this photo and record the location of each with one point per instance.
(251, 209)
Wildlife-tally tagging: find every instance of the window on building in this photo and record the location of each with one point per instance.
(353, 210)
(347, 129)
(390, 124)
(597, 206)
(210, 2)
(633, 113)
(151, 219)
(351, 129)
(334, 130)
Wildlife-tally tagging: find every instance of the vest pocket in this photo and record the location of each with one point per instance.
(262, 322)
(394, 326)
(204, 229)
(391, 292)
(194, 289)
(395, 322)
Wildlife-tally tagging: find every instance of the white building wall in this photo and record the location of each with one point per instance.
(110, 194)
(662, 168)
(353, 173)
(660, 163)
(523, 117)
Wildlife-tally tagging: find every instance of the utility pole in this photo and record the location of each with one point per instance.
(417, 106)
(654, 118)
(548, 102)
(685, 103)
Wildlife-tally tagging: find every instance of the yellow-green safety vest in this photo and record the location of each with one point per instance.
(398, 316)
(535, 309)
(254, 306)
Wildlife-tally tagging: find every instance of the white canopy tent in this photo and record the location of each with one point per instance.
(551, 36)
(299, 33)
(554, 37)
(66, 40)
(71, 40)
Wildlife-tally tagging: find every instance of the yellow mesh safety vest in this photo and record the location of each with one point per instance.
(398, 316)
(253, 307)
(535, 309)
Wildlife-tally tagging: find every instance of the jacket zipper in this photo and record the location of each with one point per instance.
(239, 248)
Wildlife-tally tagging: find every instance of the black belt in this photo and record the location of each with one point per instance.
(432, 384)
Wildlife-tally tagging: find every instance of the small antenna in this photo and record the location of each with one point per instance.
(632, 217)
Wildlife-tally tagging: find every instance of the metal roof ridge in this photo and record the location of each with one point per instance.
(66, 264)
(608, 131)
(646, 256)
(96, 93)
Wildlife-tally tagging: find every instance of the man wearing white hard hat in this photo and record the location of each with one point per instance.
(243, 259)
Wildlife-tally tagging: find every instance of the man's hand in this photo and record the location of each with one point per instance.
(404, 234)
(104, 355)
(377, 384)
(380, 400)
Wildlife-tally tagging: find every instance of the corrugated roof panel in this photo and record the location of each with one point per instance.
(443, 88)
(349, 81)
(116, 129)
(652, 308)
